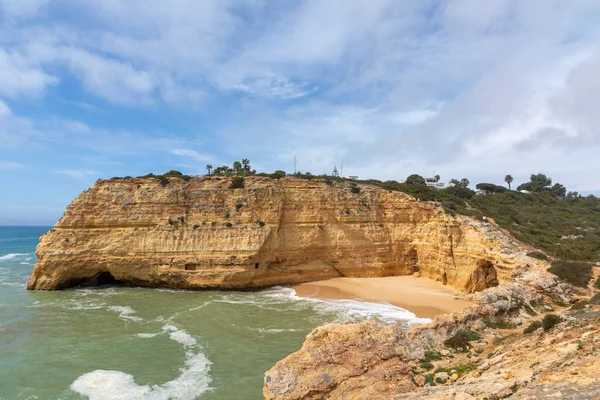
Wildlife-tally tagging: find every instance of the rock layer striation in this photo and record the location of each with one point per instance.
(202, 234)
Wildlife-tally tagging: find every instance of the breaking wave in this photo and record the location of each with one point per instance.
(194, 378)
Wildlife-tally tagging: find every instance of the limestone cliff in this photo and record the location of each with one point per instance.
(201, 234)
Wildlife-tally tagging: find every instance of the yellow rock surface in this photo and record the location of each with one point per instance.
(201, 234)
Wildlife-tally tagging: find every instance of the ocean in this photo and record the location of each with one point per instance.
(113, 343)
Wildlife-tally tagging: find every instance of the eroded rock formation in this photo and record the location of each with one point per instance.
(376, 361)
(201, 234)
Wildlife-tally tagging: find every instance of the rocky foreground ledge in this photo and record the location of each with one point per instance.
(522, 341)
(201, 233)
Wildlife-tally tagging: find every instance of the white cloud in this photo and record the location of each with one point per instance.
(22, 8)
(193, 154)
(276, 87)
(403, 86)
(4, 109)
(10, 165)
(116, 81)
(77, 173)
(19, 76)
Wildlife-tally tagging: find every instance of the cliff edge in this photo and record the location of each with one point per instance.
(203, 234)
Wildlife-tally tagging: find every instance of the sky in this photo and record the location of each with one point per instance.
(93, 89)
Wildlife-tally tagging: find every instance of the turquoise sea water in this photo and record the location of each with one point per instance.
(125, 343)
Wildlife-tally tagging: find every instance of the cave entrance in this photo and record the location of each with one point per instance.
(106, 278)
(98, 279)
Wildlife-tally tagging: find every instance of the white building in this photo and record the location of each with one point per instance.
(434, 183)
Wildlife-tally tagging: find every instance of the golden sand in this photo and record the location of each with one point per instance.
(423, 297)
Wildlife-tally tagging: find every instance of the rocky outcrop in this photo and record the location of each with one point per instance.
(377, 361)
(201, 234)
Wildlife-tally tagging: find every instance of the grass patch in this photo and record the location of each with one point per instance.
(462, 339)
(576, 273)
(460, 369)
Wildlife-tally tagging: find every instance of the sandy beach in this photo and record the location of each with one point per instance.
(423, 297)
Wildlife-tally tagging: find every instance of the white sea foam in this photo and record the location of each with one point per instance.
(12, 256)
(125, 313)
(117, 385)
(274, 330)
(180, 336)
(147, 335)
(26, 263)
(352, 310)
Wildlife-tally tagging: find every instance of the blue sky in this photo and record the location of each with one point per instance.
(461, 88)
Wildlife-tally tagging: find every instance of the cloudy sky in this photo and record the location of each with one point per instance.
(460, 88)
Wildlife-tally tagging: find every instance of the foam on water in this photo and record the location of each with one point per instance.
(117, 385)
(125, 313)
(352, 310)
(12, 256)
(147, 335)
(180, 336)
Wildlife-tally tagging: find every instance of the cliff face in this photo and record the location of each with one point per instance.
(201, 234)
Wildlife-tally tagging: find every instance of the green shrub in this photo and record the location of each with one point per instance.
(238, 207)
(227, 215)
(550, 321)
(278, 174)
(164, 181)
(214, 223)
(426, 365)
(196, 226)
(432, 355)
(355, 189)
(261, 223)
(537, 255)
(461, 339)
(228, 224)
(597, 283)
(534, 326)
(439, 380)
(498, 323)
(237, 182)
(429, 380)
(576, 273)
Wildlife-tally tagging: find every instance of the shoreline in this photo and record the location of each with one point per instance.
(423, 297)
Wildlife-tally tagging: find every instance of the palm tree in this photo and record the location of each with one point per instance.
(246, 165)
(508, 179)
(209, 169)
(464, 182)
(237, 167)
(437, 178)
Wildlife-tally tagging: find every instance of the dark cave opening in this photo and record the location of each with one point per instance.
(104, 278)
